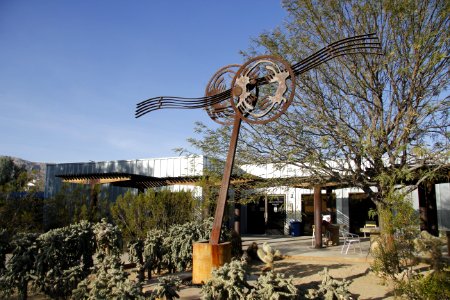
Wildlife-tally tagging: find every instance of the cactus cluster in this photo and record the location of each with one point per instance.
(230, 282)
(330, 288)
(268, 255)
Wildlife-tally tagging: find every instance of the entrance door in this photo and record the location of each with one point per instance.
(276, 214)
(359, 206)
(255, 217)
(267, 216)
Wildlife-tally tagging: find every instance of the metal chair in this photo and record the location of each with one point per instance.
(350, 239)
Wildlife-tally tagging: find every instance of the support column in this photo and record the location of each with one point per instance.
(318, 217)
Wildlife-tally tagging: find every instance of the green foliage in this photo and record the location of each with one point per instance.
(73, 204)
(431, 246)
(20, 267)
(22, 214)
(137, 214)
(64, 259)
(330, 288)
(229, 282)
(20, 209)
(395, 249)
(12, 177)
(274, 286)
(431, 286)
(167, 288)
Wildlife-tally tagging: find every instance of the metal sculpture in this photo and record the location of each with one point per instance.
(257, 92)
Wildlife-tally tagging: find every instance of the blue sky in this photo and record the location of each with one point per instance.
(71, 72)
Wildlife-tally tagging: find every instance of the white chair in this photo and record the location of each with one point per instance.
(349, 240)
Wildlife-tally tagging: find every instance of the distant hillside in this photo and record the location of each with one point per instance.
(37, 169)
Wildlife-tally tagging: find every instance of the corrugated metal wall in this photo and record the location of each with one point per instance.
(157, 167)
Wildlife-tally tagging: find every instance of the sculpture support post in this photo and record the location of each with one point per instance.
(220, 208)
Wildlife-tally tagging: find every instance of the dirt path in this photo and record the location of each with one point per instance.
(365, 284)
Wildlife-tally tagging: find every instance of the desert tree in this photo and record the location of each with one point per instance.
(360, 120)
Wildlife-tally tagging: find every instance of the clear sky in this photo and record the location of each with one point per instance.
(71, 72)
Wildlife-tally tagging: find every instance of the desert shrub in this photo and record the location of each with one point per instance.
(395, 249)
(137, 214)
(432, 286)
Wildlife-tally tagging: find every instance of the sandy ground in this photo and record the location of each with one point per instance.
(365, 284)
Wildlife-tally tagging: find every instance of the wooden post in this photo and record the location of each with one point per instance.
(318, 217)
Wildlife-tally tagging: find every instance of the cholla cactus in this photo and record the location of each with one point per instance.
(227, 282)
(64, 259)
(109, 280)
(4, 247)
(108, 239)
(154, 250)
(274, 286)
(20, 267)
(167, 288)
(330, 288)
(267, 254)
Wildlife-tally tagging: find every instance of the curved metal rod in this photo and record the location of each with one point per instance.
(361, 44)
(166, 102)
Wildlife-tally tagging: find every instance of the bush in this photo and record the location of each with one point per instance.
(432, 286)
(137, 214)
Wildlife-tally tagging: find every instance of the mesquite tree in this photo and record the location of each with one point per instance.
(360, 120)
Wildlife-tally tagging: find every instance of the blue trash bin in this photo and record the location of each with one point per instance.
(295, 228)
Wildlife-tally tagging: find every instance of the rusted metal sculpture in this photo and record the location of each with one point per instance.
(257, 92)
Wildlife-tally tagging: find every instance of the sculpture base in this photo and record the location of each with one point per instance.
(207, 257)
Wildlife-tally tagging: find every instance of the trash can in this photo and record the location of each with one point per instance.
(295, 228)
